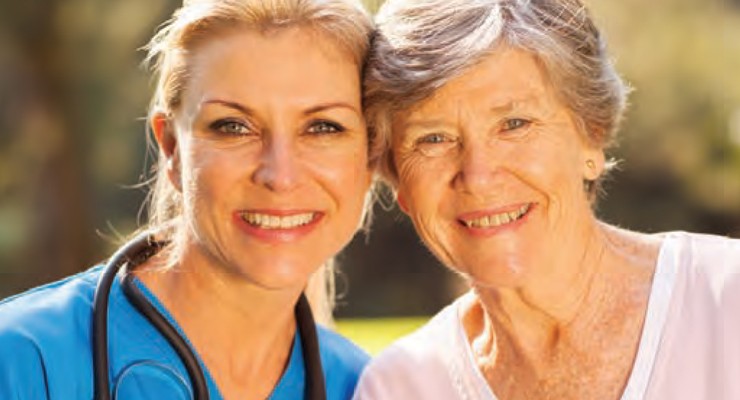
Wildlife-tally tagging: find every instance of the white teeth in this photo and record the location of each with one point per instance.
(497, 219)
(504, 218)
(277, 222)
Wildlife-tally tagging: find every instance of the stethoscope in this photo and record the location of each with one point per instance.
(134, 253)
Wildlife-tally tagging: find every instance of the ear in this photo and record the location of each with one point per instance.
(401, 200)
(593, 163)
(164, 133)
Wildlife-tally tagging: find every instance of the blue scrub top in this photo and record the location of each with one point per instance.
(46, 350)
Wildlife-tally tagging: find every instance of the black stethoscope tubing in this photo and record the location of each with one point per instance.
(133, 253)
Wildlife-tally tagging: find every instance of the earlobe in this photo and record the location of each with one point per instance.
(164, 134)
(593, 165)
(401, 202)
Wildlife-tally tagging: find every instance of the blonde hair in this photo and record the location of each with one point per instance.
(345, 22)
(421, 45)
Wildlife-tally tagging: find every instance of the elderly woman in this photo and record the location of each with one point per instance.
(497, 114)
(264, 168)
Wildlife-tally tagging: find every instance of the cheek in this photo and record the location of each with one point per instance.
(197, 166)
(209, 173)
(421, 201)
(421, 188)
(417, 174)
(407, 167)
(345, 173)
(553, 168)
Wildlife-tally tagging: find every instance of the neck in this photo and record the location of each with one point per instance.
(242, 332)
(553, 292)
(575, 296)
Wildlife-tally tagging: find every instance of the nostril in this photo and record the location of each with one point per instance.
(277, 170)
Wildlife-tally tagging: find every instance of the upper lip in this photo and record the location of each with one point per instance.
(278, 212)
(468, 216)
(278, 219)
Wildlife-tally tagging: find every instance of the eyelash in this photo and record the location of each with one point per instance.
(432, 138)
(326, 127)
(520, 122)
(221, 125)
(510, 124)
(235, 127)
(437, 143)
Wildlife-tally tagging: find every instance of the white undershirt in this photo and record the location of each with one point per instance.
(657, 312)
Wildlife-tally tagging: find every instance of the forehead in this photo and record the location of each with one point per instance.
(507, 77)
(297, 63)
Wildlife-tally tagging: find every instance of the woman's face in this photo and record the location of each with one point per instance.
(273, 155)
(491, 171)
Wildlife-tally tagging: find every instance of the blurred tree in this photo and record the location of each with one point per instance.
(373, 5)
(390, 272)
(681, 166)
(45, 143)
(59, 65)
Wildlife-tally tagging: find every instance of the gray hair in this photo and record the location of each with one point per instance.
(420, 45)
(345, 22)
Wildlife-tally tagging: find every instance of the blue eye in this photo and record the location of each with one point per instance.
(515, 123)
(435, 144)
(325, 127)
(433, 138)
(231, 127)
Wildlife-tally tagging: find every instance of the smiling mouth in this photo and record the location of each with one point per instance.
(267, 221)
(494, 220)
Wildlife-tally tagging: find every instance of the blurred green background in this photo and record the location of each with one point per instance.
(72, 145)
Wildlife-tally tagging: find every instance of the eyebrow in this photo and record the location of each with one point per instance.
(312, 110)
(231, 104)
(502, 108)
(506, 107)
(327, 106)
(425, 124)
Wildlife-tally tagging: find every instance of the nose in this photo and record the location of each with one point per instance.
(477, 169)
(278, 168)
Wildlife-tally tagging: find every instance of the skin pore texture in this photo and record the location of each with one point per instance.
(269, 150)
(491, 171)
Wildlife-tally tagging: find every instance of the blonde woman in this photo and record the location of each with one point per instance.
(264, 168)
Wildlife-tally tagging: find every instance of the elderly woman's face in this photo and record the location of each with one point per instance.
(273, 151)
(491, 170)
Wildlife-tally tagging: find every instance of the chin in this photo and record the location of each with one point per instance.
(504, 281)
(496, 273)
(279, 281)
(276, 275)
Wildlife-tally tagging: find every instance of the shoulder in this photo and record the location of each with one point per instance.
(702, 321)
(709, 269)
(22, 367)
(42, 329)
(707, 255)
(342, 360)
(415, 365)
(338, 351)
(701, 241)
(44, 308)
